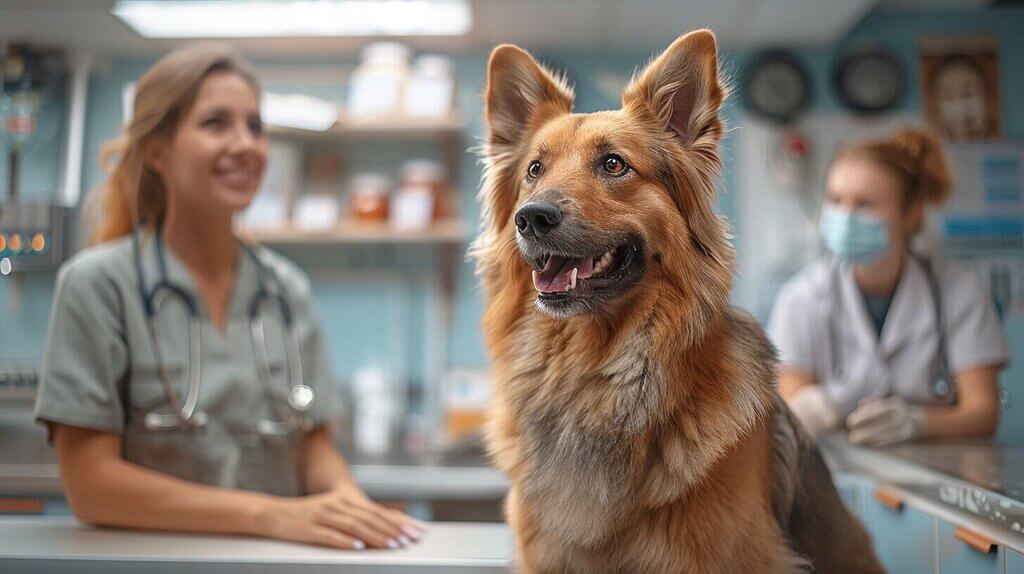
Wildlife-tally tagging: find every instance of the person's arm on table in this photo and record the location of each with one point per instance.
(326, 471)
(890, 420)
(976, 413)
(104, 489)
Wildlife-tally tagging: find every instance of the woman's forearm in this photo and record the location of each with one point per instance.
(325, 469)
(953, 422)
(104, 489)
(976, 413)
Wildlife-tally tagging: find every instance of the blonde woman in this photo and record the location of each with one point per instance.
(889, 344)
(185, 383)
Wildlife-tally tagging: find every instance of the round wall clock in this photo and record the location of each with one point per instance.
(776, 86)
(869, 80)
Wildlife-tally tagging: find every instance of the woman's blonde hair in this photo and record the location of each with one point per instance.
(133, 192)
(915, 156)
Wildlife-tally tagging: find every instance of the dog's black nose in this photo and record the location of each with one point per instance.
(537, 218)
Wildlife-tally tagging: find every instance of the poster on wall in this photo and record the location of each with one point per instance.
(960, 87)
(987, 207)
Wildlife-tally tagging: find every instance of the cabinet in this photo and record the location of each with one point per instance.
(961, 552)
(903, 537)
(1014, 562)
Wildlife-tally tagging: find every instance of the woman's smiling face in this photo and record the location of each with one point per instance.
(214, 160)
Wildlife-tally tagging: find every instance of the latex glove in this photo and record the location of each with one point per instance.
(814, 410)
(885, 421)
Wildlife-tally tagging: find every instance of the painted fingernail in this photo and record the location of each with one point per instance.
(412, 531)
(392, 543)
(358, 545)
(404, 540)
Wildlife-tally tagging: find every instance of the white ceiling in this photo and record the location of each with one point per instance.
(605, 25)
(573, 25)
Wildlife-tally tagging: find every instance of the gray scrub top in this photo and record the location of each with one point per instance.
(99, 370)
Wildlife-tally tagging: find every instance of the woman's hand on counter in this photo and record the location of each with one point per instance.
(341, 518)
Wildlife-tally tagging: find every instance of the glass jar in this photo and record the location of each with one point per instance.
(369, 201)
(430, 176)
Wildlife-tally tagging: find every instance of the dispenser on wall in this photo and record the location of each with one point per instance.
(33, 233)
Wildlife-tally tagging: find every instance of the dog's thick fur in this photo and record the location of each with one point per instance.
(641, 433)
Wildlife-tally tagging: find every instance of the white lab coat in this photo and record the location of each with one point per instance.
(904, 360)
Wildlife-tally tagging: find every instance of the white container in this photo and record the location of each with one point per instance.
(316, 212)
(281, 180)
(284, 172)
(376, 86)
(431, 90)
(412, 208)
(266, 212)
(376, 411)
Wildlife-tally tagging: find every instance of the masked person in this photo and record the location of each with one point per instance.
(889, 343)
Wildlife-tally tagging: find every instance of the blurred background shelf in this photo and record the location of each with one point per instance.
(444, 232)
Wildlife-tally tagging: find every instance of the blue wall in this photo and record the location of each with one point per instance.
(361, 317)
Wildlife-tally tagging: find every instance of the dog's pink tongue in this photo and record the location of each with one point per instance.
(557, 273)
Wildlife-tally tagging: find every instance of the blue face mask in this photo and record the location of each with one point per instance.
(853, 237)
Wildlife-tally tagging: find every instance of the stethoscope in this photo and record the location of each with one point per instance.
(300, 396)
(943, 382)
(943, 386)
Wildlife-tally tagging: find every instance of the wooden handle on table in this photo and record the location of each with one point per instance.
(979, 542)
(888, 498)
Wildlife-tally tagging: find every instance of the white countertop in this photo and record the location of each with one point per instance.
(62, 545)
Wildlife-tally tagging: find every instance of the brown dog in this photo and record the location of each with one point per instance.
(635, 410)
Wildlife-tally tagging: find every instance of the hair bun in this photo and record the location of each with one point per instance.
(925, 162)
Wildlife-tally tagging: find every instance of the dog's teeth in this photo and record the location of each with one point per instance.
(534, 275)
(572, 282)
(603, 262)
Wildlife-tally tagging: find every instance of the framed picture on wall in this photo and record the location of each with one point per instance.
(960, 87)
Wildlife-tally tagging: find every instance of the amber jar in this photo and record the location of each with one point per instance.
(425, 173)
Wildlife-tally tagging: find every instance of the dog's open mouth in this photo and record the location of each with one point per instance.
(557, 276)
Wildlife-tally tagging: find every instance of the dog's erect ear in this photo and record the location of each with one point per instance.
(520, 94)
(681, 88)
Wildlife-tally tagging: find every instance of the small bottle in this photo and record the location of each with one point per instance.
(422, 197)
(377, 84)
(431, 89)
(369, 198)
(376, 411)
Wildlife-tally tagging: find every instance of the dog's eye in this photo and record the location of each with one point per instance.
(533, 170)
(614, 165)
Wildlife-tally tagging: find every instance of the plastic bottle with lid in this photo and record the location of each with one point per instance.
(431, 90)
(376, 86)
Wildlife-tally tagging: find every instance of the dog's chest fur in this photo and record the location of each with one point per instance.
(583, 438)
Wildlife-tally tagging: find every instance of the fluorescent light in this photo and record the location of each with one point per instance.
(294, 18)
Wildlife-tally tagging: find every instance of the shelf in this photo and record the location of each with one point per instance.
(390, 128)
(450, 231)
